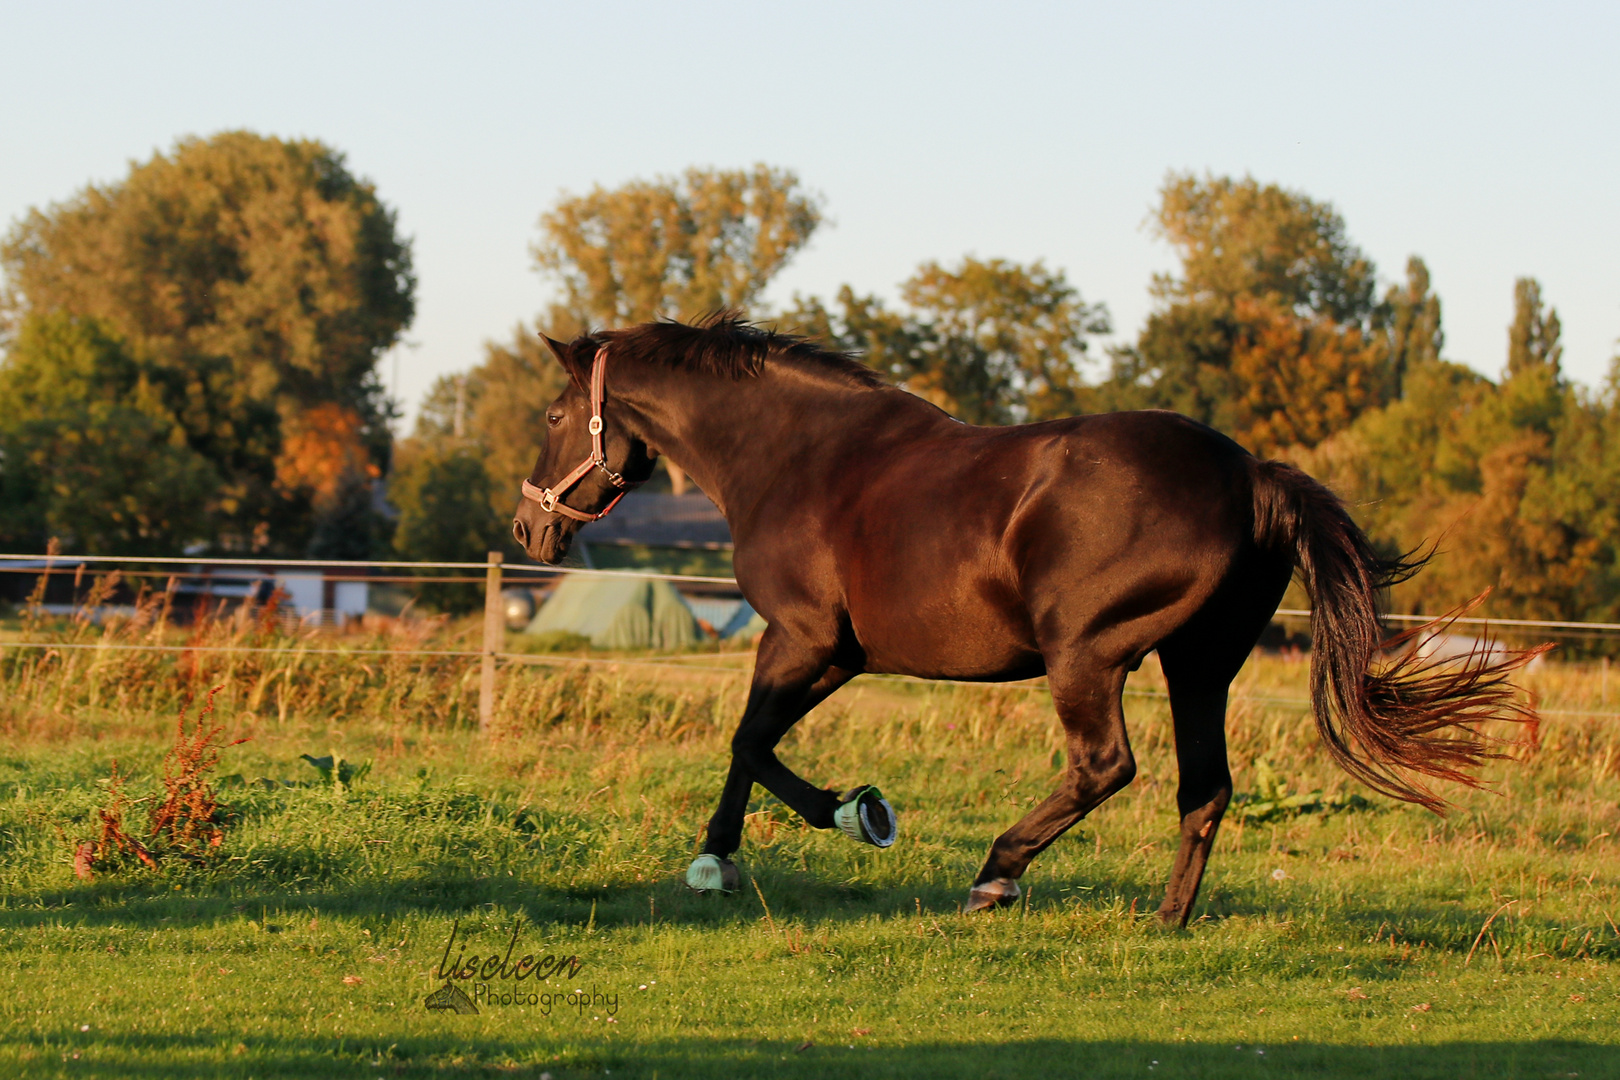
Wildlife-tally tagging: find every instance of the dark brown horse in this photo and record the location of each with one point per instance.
(876, 534)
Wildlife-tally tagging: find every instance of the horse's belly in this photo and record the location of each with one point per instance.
(938, 639)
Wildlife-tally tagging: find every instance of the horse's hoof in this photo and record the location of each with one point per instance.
(997, 892)
(711, 873)
(865, 815)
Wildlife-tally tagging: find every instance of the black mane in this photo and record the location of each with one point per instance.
(727, 345)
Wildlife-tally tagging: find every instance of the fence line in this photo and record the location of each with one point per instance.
(210, 560)
(493, 652)
(348, 564)
(126, 647)
(1545, 624)
(536, 569)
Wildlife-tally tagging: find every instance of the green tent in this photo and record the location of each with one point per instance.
(618, 613)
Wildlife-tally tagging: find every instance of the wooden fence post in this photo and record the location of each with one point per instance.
(494, 639)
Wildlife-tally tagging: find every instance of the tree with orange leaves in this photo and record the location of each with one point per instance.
(1298, 379)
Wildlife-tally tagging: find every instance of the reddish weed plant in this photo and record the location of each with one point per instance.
(187, 821)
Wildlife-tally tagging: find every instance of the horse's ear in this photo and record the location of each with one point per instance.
(565, 358)
(558, 349)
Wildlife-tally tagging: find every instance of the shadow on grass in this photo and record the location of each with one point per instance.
(136, 900)
(449, 889)
(565, 1055)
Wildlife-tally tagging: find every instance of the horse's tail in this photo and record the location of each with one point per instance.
(1413, 715)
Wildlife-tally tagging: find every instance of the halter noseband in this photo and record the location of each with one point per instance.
(551, 500)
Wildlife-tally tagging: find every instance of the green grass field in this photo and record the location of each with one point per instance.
(1371, 940)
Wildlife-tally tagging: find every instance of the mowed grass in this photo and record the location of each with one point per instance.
(1373, 941)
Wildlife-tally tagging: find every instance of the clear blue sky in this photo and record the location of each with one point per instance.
(1484, 137)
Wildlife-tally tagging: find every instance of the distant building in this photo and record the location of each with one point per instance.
(308, 596)
(665, 525)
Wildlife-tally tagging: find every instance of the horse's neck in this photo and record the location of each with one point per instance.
(735, 437)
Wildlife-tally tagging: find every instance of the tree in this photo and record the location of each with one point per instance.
(672, 248)
(442, 492)
(1298, 380)
(1243, 238)
(500, 407)
(990, 341)
(324, 459)
(1268, 333)
(1533, 337)
(257, 279)
(1411, 325)
(89, 451)
(1517, 483)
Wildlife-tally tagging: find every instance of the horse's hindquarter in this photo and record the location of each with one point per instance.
(972, 554)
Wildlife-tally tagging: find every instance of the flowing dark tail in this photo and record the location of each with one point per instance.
(1412, 715)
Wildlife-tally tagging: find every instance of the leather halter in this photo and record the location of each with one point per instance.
(550, 500)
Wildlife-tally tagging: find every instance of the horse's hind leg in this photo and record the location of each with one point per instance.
(1205, 790)
(1100, 763)
(1200, 661)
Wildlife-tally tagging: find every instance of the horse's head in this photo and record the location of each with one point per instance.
(577, 477)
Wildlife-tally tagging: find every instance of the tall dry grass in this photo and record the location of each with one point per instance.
(405, 673)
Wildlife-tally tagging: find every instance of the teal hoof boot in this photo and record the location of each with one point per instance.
(865, 815)
(711, 873)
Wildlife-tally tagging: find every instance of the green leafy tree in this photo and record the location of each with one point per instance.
(1242, 238)
(442, 491)
(1410, 323)
(499, 406)
(672, 248)
(257, 279)
(1533, 337)
(989, 341)
(89, 451)
(1517, 483)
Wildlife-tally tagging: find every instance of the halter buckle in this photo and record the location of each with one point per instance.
(595, 426)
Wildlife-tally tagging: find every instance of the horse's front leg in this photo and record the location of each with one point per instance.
(787, 684)
(768, 717)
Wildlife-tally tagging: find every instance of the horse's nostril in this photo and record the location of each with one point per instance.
(520, 533)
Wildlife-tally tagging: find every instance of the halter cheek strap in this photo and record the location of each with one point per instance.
(550, 499)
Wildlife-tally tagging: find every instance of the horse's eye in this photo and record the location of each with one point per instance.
(553, 419)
